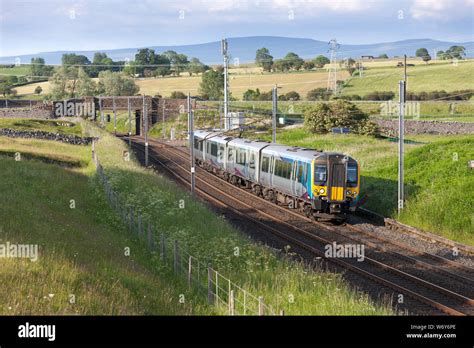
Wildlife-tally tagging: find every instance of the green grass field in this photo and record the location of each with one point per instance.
(57, 126)
(421, 78)
(439, 185)
(16, 70)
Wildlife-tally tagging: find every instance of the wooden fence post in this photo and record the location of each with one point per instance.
(140, 226)
(150, 237)
(163, 247)
(131, 218)
(261, 309)
(176, 256)
(190, 271)
(210, 295)
(231, 302)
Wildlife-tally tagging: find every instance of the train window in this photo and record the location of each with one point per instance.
(252, 160)
(241, 157)
(352, 175)
(196, 143)
(221, 153)
(283, 169)
(299, 175)
(214, 149)
(230, 154)
(320, 175)
(265, 164)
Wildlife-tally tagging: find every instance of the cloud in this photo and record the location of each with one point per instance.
(441, 9)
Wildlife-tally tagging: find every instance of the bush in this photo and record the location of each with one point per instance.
(178, 95)
(250, 94)
(292, 96)
(322, 117)
(387, 95)
(318, 94)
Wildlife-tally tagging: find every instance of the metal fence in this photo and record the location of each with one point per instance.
(219, 290)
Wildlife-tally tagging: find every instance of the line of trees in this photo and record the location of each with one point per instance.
(291, 61)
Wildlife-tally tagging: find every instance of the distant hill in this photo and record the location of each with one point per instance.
(244, 49)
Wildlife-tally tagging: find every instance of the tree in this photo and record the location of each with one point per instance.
(38, 90)
(196, 67)
(441, 55)
(163, 65)
(264, 59)
(281, 65)
(383, 56)
(319, 94)
(423, 54)
(294, 61)
(145, 58)
(85, 85)
(320, 61)
(63, 82)
(250, 94)
(308, 65)
(322, 117)
(101, 62)
(5, 89)
(178, 61)
(455, 52)
(212, 85)
(178, 95)
(292, 96)
(116, 83)
(39, 69)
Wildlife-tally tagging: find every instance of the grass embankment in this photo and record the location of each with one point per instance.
(284, 284)
(439, 185)
(81, 250)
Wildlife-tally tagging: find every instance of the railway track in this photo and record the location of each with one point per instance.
(426, 278)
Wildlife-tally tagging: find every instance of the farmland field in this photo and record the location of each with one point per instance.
(421, 78)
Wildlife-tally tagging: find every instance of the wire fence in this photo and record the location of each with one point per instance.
(202, 277)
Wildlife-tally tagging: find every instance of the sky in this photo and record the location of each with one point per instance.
(32, 26)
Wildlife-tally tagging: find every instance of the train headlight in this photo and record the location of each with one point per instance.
(348, 192)
(321, 191)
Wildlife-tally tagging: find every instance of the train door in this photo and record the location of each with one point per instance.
(297, 179)
(252, 165)
(337, 179)
(265, 170)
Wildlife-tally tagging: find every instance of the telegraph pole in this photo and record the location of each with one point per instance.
(274, 112)
(129, 123)
(226, 83)
(405, 74)
(191, 143)
(115, 116)
(401, 133)
(145, 130)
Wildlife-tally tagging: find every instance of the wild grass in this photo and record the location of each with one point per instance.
(81, 249)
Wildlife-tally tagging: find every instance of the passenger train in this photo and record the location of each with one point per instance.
(323, 185)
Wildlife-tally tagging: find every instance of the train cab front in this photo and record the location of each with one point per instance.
(335, 188)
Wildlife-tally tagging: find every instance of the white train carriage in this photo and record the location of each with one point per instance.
(243, 160)
(287, 171)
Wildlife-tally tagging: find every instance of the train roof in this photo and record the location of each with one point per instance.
(249, 144)
(296, 152)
